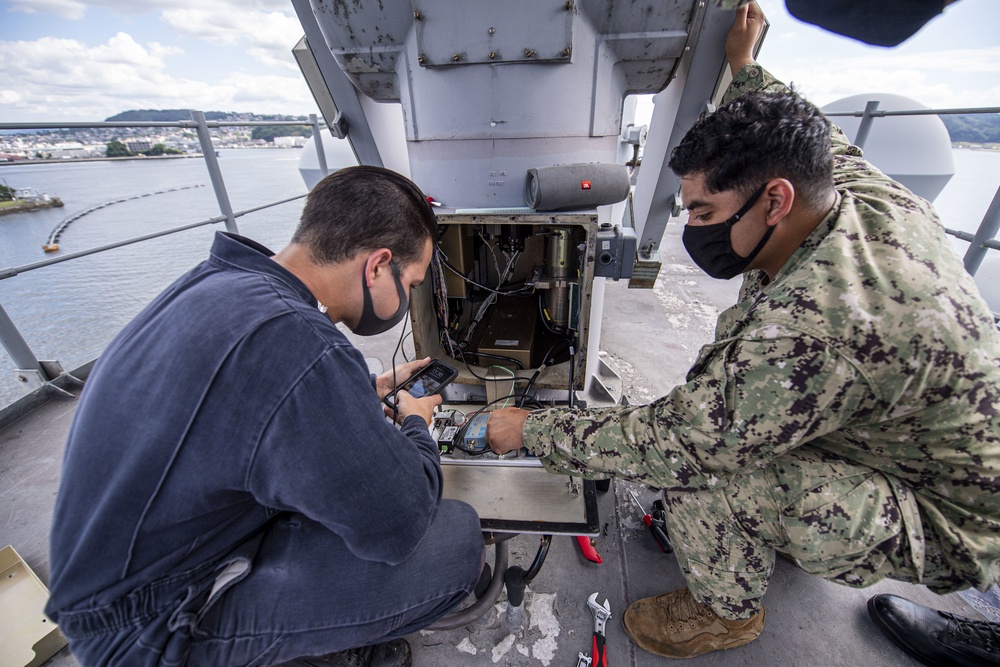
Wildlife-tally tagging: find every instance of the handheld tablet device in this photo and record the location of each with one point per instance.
(430, 379)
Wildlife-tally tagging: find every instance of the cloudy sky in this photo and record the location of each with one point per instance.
(84, 60)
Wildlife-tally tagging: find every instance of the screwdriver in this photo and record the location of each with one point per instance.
(656, 528)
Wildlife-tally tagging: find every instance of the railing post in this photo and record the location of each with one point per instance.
(212, 162)
(25, 361)
(987, 230)
(318, 142)
(866, 124)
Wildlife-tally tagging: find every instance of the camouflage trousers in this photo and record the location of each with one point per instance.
(839, 520)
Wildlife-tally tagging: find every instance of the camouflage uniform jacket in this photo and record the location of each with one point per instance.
(872, 343)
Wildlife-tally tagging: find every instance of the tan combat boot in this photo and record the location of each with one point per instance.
(675, 625)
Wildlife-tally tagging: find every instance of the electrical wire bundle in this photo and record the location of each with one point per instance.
(457, 350)
(441, 302)
(446, 326)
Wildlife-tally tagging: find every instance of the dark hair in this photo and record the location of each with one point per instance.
(757, 137)
(365, 208)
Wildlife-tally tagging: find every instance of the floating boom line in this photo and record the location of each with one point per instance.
(61, 227)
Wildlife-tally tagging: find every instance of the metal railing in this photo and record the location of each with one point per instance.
(31, 372)
(985, 237)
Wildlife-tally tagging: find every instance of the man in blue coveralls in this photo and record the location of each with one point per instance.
(232, 493)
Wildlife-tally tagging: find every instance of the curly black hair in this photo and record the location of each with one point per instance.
(757, 137)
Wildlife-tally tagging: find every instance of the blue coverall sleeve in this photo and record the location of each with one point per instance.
(329, 453)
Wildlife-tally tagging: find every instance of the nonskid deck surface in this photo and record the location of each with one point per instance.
(650, 336)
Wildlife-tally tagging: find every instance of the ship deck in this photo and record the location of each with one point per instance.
(650, 337)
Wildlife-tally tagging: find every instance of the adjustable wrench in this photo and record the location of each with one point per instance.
(602, 612)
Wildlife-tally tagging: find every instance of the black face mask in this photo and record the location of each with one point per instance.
(711, 246)
(371, 324)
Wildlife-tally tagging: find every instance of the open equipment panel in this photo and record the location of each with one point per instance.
(508, 304)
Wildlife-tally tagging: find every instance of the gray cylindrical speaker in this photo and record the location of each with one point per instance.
(583, 185)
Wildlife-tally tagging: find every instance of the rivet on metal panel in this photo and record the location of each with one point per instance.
(418, 16)
(528, 53)
(492, 30)
(567, 52)
(421, 59)
(455, 58)
(569, 5)
(493, 55)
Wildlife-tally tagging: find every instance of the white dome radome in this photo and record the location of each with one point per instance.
(914, 150)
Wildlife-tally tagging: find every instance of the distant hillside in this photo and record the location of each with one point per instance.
(973, 128)
(170, 115)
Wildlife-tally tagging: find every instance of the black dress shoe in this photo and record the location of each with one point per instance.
(936, 638)
(395, 653)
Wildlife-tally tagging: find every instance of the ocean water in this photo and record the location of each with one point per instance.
(69, 311)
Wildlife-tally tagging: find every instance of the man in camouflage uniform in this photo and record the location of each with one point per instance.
(847, 413)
